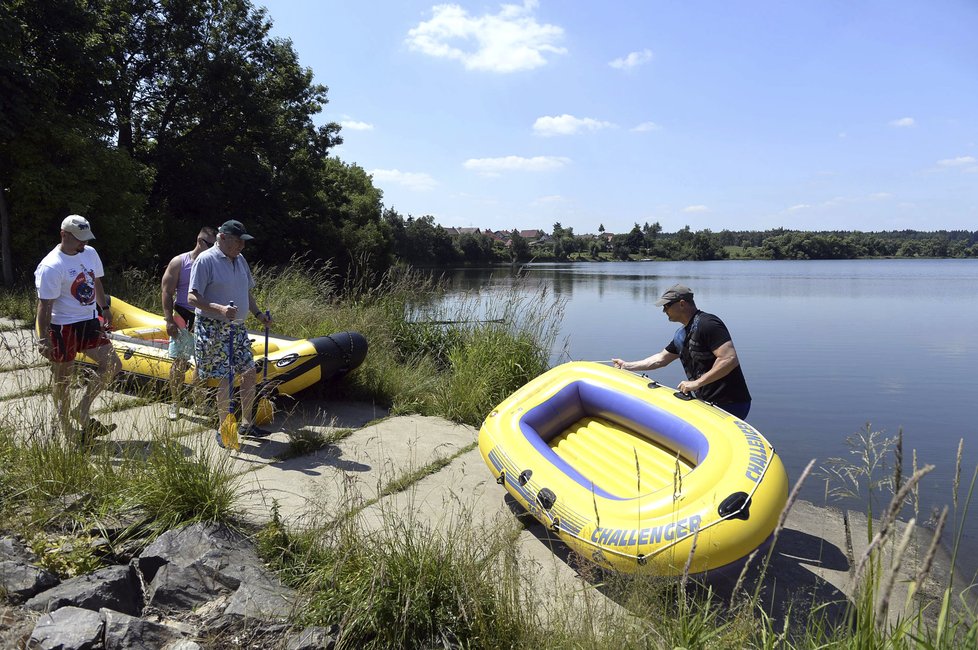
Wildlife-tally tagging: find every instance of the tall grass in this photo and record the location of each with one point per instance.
(51, 486)
(405, 586)
(18, 303)
(457, 361)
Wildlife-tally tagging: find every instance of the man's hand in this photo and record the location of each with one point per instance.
(45, 348)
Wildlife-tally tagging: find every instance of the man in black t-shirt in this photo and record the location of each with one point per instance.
(706, 350)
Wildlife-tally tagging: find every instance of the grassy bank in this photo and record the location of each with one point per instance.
(397, 583)
(457, 363)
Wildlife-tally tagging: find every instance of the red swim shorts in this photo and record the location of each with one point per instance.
(68, 340)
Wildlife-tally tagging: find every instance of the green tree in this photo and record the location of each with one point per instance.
(53, 158)
(558, 232)
(475, 248)
(620, 249)
(595, 248)
(559, 252)
(651, 233)
(635, 240)
(519, 249)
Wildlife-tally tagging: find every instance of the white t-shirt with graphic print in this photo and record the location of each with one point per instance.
(70, 281)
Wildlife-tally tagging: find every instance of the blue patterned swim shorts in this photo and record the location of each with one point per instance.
(211, 348)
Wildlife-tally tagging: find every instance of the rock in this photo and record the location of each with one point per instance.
(188, 545)
(191, 566)
(177, 588)
(262, 601)
(13, 550)
(124, 632)
(21, 581)
(183, 644)
(314, 638)
(115, 587)
(68, 628)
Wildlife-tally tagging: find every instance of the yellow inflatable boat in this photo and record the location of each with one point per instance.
(140, 339)
(634, 475)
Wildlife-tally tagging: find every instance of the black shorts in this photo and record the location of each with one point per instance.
(187, 315)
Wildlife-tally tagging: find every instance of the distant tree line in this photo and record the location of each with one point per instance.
(424, 242)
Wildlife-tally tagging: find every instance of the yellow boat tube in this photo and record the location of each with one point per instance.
(140, 340)
(634, 475)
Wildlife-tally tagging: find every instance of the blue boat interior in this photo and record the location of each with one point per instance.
(583, 399)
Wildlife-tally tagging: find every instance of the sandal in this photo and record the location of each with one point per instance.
(95, 429)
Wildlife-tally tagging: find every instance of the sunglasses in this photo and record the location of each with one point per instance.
(666, 306)
(203, 241)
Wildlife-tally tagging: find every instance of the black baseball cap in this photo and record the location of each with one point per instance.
(236, 228)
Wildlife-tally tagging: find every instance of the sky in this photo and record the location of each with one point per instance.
(747, 115)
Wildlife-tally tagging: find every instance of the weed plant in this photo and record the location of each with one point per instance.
(18, 303)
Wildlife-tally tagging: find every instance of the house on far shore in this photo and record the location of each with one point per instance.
(469, 231)
(451, 230)
(495, 236)
(532, 235)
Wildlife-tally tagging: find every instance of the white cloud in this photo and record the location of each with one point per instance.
(646, 126)
(548, 200)
(903, 122)
(632, 60)
(696, 208)
(567, 125)
(957, 162)
(354, 125)
(496, 166)
(415, 181)
(509, 41)
(837, 201)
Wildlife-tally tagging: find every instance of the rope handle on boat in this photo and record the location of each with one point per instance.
(642, 558)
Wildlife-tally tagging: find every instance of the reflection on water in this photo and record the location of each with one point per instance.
(826, 346)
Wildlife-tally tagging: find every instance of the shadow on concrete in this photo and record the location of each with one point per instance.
(299, 414)
(788, 582)
(311, 464)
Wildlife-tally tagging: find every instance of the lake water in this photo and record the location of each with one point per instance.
(826, 346)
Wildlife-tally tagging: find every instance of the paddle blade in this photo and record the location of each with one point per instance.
(265, 411)
(229, 432)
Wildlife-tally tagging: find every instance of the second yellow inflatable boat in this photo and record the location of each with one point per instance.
(632, 474)
(140, 340)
